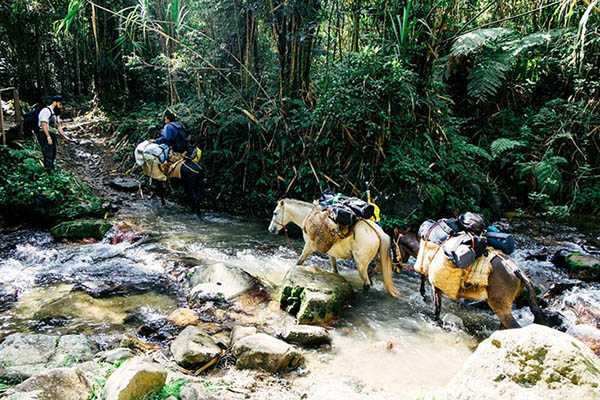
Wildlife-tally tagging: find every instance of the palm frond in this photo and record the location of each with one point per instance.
(476, 40)
(502, 145)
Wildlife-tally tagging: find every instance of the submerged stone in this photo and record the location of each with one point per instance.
(261, 351)
(81, 229)
(183, 317)
(219, 282)
(314, 296)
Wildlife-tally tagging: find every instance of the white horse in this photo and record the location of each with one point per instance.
(366, 241)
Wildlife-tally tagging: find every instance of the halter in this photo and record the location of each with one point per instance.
(285, 229)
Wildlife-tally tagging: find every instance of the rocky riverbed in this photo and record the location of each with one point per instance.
(212, 306)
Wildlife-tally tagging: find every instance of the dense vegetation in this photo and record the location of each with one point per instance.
(28, 193)
(443, 105)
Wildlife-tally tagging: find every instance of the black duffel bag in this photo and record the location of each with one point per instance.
(360, 207)
(343, 215)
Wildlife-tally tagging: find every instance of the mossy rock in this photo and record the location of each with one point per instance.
(580, 266)
(583, 267)
(81, 228)
(314, 296)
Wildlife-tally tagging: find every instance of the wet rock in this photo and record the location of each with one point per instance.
(194, 348)
(261, 351)
(588, 334)
(125, 184)
(307, 335)
(114, 355)
(60, 383)
(453, 321)
(27, 349)
(313, 295)
(99, 289)
(580, 266)
(73, 349)
(183, 317)
(238, 332)
(8, 296)
(135, 378)
(219, 282)
(81, 228)
(531, 362)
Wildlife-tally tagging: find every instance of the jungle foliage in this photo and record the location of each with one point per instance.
(442, 105)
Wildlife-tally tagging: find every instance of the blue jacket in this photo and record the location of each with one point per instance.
(174, 136)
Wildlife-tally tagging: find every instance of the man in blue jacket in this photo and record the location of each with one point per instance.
(172, 134)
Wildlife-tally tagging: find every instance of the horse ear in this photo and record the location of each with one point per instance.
(396, 231)
(281, 203)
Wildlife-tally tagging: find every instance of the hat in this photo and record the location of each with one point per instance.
(58, 99)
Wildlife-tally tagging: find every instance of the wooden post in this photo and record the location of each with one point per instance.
(18, 113)
(2, 124)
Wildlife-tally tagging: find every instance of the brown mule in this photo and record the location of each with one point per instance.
(505, 282)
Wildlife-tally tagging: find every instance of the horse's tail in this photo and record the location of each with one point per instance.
(539, 317)
(386, 262)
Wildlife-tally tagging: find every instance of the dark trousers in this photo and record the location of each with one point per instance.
(48, 151)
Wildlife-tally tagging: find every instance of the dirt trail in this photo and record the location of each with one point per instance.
(90, 155)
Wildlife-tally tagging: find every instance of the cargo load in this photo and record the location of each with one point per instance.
(345, 210)
(501, 241)
(464, 249)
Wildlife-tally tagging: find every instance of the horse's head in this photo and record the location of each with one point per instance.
(406, 244)
(277, 221)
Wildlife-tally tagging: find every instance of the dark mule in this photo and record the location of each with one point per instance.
(505, 283)
(193, 179)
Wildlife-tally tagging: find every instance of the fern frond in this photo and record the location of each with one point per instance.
(479, 151)
(535, 40)
(474, 41)
(502, 145)
(488, 74)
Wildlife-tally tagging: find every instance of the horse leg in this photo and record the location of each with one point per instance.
(437, 302)
(161, 189)
(363, 269)
(504, 314)
(333, 265)
(422, 289)
(378, 267)
(503, 287)
(306, 251)
(191, 180)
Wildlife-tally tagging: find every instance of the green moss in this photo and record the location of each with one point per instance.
(576, 265)
(81, 228)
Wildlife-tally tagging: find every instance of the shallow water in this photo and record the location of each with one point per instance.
(380, 345)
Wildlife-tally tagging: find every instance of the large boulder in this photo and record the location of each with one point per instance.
(313, 295)
(60, 383)
(307, 335)
(74, 349)
(219, 282)
(580, 266)
(535, 362)
(27, 349)
(193, 348)
(261, 351)
(134, 379)
(81, 229)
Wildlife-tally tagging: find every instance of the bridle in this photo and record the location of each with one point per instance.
(282, 225)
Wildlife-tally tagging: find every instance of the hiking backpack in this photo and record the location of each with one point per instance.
(180, 141)
(31, 121)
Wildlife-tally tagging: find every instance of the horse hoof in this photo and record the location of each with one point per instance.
(366, 287)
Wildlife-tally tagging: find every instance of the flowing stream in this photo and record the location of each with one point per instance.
(381, 345)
